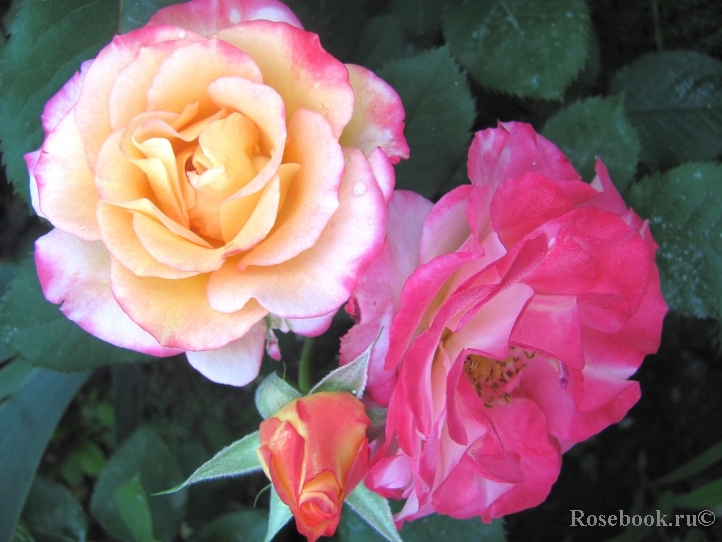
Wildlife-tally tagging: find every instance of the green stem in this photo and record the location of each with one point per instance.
(657, 28)
(304, 367)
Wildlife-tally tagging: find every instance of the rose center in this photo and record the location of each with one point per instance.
(494, 380)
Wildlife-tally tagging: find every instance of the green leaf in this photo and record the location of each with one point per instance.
(351, 377)
(703, 498)
(674, 98)
(235, 460)
(146, 454)
(597, 127)
(438, 527)
(704, 460)
(439, 115)
(527, 48)
(685, 210)
(137, 13)
(132, 504)
(49, 40)
(51, 509)
(27, 421)
(13, 376)
(36, 330)
(273, 394)
(278, 516)
(90, 458)
(245, 526)
(375, 511)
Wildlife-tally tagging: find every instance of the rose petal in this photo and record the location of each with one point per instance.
(378, 116)
(320, 279)
(92, 112)
(312, 198)
(207, 17)
(176, 312)
(173, 87)
(446, 226)
(82, 284)
(65, 183)
(31, 160)
(236, 363)
(294, 64)
(57, 106)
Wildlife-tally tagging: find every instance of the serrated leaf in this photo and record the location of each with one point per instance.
(132, 504)
(273, 394)
(278, 516)
(52, 510)
(248, 525)
(49, 40)
(137, 13)
(374, 510)
(35, 329)
(674, 99)
(27, 421)
(235, 460)
(351, 377)
(597, 127)
(527, 48)
(146, 454)
(439, 115)
(685, 210)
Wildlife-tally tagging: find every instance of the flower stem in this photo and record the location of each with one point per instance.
(304, 367)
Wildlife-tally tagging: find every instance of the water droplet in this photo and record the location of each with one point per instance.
(370, 222)
(181, 34)
(359, 190)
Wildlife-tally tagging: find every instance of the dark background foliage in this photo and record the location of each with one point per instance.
(638, 82)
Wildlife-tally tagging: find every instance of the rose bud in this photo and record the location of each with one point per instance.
(315, 452)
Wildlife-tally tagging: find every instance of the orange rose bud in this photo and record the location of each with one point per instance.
(315, 452)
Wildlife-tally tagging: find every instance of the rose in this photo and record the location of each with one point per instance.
(211, 175)
(518, 306)
(315, 452)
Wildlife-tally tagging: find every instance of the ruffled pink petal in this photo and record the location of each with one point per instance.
(177, 313)
(378, 116)
(513, 149)
(65, 183)
(298, 68)
(609, 198)
(377, 298)
(76, 273)
(236, 363)
(320, 279)
(522, 204)
(446, 227)
(551, 324)
(92, 112)
(206, 17)
(57, 106)
(420, 288)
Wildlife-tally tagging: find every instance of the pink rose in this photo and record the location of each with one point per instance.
(517, 308)
(210, 176)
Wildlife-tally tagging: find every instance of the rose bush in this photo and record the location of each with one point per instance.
(315, 452)
(210, 176)
(517, 309)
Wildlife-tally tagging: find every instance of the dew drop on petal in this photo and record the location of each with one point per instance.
(359, 189)
(181, 34)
